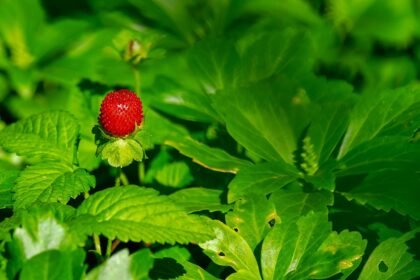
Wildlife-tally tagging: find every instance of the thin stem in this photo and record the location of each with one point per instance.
(141, 173)
(97, 242)
(115, 244)
(124, 179)
(137, 79)
(109, 248)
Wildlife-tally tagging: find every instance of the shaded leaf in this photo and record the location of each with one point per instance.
(262, 178)
(397, 190)
(390, 260)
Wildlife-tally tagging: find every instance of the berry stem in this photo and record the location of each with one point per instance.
(121, 179)
(137, 80)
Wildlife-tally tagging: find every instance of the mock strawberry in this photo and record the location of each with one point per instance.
(121, 113)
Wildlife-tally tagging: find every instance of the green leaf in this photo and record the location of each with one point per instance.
(390, 260)
(327, 128)
(174, 99)
(49, 234)
(66, 266)
(230, 249)
(7, 181)
(257, 120)
(382, 153)
(215, 62)
(53, 134)
(194, 272)
(309, 249)
(123, 266)
(262, 178)
(115, 213)
(397, 190)
(51, 181)
(199, 199)
(292, 203)
(374, 112)
(251, 218)
(211, 158)
(175, 175)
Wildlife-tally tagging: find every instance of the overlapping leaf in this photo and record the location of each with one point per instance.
(139, 214)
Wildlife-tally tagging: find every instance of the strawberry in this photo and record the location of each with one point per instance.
(121, 113)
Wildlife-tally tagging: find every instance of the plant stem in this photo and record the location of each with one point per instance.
(109, 248)
(137, 79)
(97, 242)
(141, 173)
(121, 179)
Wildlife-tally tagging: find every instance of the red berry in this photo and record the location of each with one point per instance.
(121, 113)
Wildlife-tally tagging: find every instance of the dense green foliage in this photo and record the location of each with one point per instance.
(281, 140)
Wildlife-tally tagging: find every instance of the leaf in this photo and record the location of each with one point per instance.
(49, 235)
(397, 190)
(174, 99)
(215, 62)
(251, 218)
(175, 175)
(257, 120)
(382, 153)
(115, 213)
(67, 266)
(309, 249)
(199, 199)
(51, 181)
(53, 134)
(292, 203)
(374, 113)
(211, 158)
(390, 260)
(7, 180)
(230, 249)
(262, 178)
(194, 272)
(327, 129)
(123, 266)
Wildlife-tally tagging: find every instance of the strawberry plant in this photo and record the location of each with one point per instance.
(233, 139)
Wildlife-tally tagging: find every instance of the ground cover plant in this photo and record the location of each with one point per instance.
(243, 139)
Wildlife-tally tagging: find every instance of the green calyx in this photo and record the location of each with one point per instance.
(119, 152)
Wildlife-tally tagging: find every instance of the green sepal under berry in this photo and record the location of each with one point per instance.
(119, 152)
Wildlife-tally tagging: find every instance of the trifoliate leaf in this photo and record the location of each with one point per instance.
(51, 181)
(139, 214)
(47, 136)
